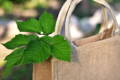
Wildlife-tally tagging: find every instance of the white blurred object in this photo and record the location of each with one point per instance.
(118, 18)
(75, 28)
(83, 27)
(10, 30)
(9, 27)
(13, 30)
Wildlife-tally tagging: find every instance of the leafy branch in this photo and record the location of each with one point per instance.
(30, 49)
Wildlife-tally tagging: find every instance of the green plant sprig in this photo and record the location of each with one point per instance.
(31, 49)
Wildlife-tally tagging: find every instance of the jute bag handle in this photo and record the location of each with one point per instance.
(102, 2)
(61, 17)
(104, 19)
(67, 11)
(116, 29)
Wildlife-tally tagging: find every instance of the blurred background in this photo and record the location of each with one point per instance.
(85, 21)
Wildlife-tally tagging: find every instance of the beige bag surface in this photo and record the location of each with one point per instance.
(96, 59)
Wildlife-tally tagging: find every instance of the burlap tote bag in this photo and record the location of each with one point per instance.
(95, 58)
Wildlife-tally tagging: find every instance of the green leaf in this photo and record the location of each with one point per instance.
(60, 48)
(15, 55)
(13, 59)
(37, 51)
(31, 25)
(47, 23)
(19, 40)
(8, 68)
(47, 39)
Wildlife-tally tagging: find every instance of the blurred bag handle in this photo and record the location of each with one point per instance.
(67, 10)
(67, 22)
(67, 28)
(116, 29)
(105, 23)
(71, 9)
(106, 7)
(62, 16)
